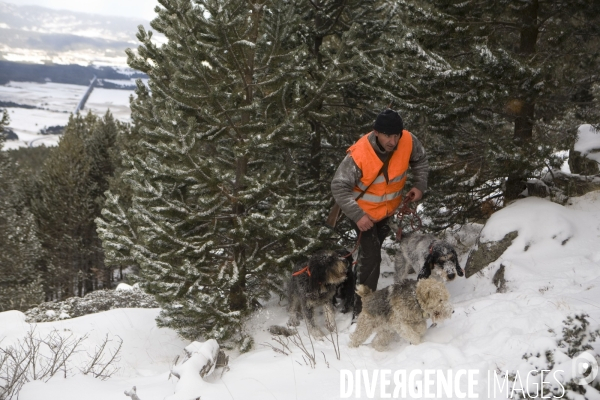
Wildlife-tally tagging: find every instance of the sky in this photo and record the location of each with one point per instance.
(125, 8)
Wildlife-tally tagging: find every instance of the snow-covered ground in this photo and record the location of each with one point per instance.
(58, 97)
(552, 271)
(56, 102)
(117, 100)
(27, 123)
(106, 57)
(37, 34)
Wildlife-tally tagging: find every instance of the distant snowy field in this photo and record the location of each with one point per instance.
(115, 100)
(57, 101)
(552, 270)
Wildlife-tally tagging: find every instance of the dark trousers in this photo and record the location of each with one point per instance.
(369, 259)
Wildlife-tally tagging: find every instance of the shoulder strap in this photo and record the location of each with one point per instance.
(383, 168)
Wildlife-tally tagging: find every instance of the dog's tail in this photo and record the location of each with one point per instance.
(278, 330)
(363, 290)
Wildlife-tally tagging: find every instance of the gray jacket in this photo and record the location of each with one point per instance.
(348, 175)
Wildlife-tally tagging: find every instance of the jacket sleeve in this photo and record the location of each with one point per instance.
(419, 166)
(342, 185)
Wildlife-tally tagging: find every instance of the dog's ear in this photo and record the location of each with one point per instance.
(347, 256)
(425, 271)
(459, 270)
(350, 261)
(318, 265)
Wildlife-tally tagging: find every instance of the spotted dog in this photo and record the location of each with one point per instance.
(435, 258)
(315, 284)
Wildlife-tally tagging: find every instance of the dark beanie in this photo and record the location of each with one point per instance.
(389, 122)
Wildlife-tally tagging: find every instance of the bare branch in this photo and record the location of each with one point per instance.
(36, 358)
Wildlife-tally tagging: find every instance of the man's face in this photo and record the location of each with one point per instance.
(388, 142)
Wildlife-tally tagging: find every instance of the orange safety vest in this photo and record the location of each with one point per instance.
(381, 198)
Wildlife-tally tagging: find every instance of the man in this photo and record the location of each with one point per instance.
(368, 183)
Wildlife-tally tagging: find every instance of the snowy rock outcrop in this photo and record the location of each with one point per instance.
(487, 252)
(124, 296)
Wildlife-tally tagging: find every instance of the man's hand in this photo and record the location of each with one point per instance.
(414, 194)
(365, 223)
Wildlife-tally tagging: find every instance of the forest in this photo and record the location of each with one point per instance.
(73, 74)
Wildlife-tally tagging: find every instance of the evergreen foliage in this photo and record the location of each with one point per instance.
(114, 227)
(249, 110)
(4, 121)
(345, 81)
(66, 196)
(29, 160)
(349, 56)
(91, 303)
(500, 87)
(20, 250)
(577, 337)
(217, 211)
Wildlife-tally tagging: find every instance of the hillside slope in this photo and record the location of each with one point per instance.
(552, 271)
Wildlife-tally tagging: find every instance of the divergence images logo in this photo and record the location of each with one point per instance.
(585, 368)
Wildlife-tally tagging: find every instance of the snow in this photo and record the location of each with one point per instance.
(117, 100)
(200, 355)
(552, 271)
(40, 34)
(55, 102)
(27, 123)
(588, 142)
(126, 82)
(84, 57)
(58, 97)
(124, 286)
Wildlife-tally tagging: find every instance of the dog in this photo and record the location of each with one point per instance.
(401, 308)
(346, 290)
(316, 284)
(436, 257)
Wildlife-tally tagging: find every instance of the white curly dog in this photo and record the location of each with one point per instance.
(401, 308)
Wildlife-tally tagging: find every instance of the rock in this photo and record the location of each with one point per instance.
(488, 252)
(571, 185)
(278, 330)
(100, 300)
(580, 164)
(537, 188)
(499, 280)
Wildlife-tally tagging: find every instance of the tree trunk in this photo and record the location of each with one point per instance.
(237, 293)
(523, 130)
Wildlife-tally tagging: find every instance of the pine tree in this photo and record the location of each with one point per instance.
(20, 259)
(499, 87)
(20, 250)
(217, 207)
(3, 123)
(115, 227)
(102, 148)
(66, 198)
